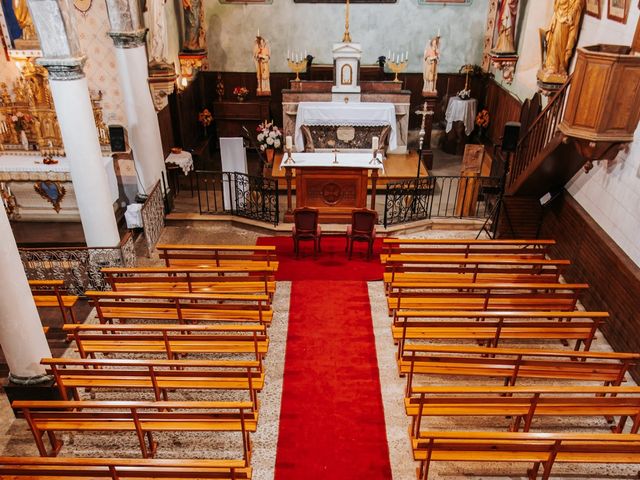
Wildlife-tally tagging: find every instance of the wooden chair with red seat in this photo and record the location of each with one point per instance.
(306, 227)
(362, 229)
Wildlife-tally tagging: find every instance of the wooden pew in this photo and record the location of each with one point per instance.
(432, 268)
(51, 294)
(541, 450)
(492, 326)
(192, 280)
(467, 247)
(181, 307)
(512, 364)
(173, 341)
(207, 256)
(142, 418)
(484, 296)
(524, 404)
(30, 468)
(160, 376)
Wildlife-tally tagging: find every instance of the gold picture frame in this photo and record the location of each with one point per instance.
(594, 8)
(618, 10)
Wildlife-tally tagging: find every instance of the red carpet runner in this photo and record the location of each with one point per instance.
(332, 421)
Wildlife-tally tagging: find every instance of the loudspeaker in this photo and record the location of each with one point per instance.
(118, 137)
(510, 136)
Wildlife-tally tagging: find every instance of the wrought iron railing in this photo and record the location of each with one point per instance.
(153, 217)
(79, 267)
(239, 194)
(440, 196)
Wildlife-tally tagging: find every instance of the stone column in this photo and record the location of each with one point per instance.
(21, 335)
(128, 36)
(64, 61)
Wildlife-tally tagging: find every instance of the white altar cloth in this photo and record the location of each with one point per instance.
(461, 110)
(33, 163)
(326, 159)
(356, 114)
(184, 160)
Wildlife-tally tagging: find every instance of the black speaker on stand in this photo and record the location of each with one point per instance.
(510, 137)
(118, 137)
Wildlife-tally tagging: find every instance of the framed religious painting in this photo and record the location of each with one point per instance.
(594, 8)
(447, 2)
(618, 10)
(344, 1)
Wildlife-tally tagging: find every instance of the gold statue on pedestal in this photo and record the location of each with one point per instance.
(561, 37)
(28, 40)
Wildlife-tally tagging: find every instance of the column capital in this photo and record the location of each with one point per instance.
(130, 39)
(63, 68)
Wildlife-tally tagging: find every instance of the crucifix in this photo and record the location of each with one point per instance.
(346, 38)
(425, 112)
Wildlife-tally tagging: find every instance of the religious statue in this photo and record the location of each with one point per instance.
(431, 59)
(560, 40)
(194, 29)
(158, 32)
(506, 27)
(21, 11)
(261, 56)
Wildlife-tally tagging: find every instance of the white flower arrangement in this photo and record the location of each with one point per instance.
(269, 136)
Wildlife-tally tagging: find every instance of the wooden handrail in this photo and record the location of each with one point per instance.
(540, 133)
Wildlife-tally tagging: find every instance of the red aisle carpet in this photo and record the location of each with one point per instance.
(332, 420)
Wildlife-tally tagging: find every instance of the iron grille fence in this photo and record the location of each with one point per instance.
(440, 196)
(248, 196)
(79, 267)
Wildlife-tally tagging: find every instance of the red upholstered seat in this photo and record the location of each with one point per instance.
(306, 227)
(362, 229)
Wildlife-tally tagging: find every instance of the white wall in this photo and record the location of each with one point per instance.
(610, 193)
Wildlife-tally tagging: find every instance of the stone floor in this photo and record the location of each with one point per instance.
(16, 439)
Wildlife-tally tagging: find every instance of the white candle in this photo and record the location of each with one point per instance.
(374, 143)
(438, 31)
(389, 55)
(288, 141)
(305, 54)
(406, 55)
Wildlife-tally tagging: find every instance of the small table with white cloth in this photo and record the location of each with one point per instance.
(353, 114)
(334, 183)
(179, 161)
(459, 110)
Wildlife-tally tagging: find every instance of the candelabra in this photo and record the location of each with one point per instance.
(375, 160)
(398, 63)
(297, 63)
(289, 159)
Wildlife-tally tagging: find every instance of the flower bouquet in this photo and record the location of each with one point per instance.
(482, 121)
(269, 137)
(21, 121)
(205, 118)
(241, 93)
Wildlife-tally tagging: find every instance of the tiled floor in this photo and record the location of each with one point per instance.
(16, 439)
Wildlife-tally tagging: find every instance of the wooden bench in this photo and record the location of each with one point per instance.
(143, 418)
(181, 307)
(173, 341)
(207, 256)
(492, 326)
(432, 268)
(158, 375)
(512, 364)
(524, 404)
(192, 280)
(467, 247)
(538, 449)
(484, 296)
(30, 468)
(52, 294)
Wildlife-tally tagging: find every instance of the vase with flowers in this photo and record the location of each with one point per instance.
(269, 138)
(21, 122)
(482, 122)
(241, 93)
(205, 118)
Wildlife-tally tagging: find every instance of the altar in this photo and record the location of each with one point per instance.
(360, 114)
(334, 183)
(23, 176)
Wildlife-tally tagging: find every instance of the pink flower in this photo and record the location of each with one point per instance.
(14, 118)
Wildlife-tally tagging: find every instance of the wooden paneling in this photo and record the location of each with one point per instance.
(166, 130)
(503, 107)
(597, 260)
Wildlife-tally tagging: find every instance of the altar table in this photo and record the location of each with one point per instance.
(463, 111)
(354, 114)
(335, 189)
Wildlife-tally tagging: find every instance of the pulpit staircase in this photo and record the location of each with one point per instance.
(542, 163)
